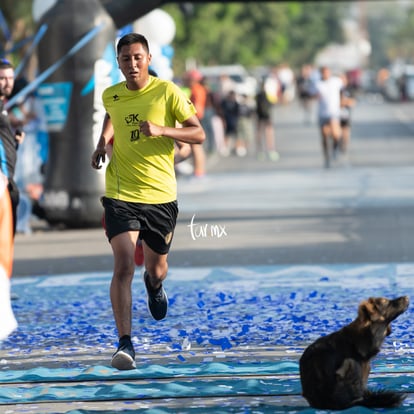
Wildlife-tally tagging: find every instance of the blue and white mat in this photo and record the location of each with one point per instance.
(231, 341)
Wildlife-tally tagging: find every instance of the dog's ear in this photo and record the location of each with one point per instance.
(368, 311)
(364, 311)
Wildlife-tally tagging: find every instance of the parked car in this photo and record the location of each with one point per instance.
(238, 76)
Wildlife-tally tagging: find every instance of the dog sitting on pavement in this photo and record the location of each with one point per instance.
(334, 369)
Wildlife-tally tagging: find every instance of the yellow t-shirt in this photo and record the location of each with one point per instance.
(142, 168)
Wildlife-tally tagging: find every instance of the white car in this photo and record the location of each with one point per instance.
(241, 81)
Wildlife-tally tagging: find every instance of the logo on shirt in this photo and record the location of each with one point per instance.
(115, 98)
(132, 119)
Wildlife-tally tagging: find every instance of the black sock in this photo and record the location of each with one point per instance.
(150, 287)
(125, 338)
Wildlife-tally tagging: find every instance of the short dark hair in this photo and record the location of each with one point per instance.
(130, 39)
(5, 64)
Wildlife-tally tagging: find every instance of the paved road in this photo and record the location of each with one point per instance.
(289, 212)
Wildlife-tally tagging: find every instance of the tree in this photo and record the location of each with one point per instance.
(17, 31)
(255, 33)
(402, 33)
(19, 22)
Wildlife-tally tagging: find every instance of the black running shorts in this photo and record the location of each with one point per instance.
(155, 222)
(345, 122)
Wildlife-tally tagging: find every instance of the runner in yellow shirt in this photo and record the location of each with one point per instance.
(141, 189)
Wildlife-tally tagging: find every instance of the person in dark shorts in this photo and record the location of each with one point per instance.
(265, 139)
(146, 116)
(347, 103)
(327, 91)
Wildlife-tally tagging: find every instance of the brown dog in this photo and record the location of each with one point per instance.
(334, 369)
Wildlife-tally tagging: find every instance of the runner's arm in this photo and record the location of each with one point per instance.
(106, 135)
(190, 131)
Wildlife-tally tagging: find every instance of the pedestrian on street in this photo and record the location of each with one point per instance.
(9, 138)
(8, 321)
(141, 188)
(245, 126)
(198, 96)
(347, 103)
(265, 137)
(304, 83)
(230, 111)
(327, 91)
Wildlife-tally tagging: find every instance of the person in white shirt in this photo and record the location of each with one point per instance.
(327, 91)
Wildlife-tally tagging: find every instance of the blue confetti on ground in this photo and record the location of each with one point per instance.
(213, 309)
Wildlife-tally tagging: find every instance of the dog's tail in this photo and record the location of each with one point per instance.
(382, 399)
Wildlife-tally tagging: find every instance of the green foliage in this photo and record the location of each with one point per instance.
(255, 33)
(402, 47)
(18, 15)
(14, 10)
(259, 34)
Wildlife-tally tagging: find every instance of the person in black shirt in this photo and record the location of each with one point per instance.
(265, 141)
(230, 112)
(9, 139)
